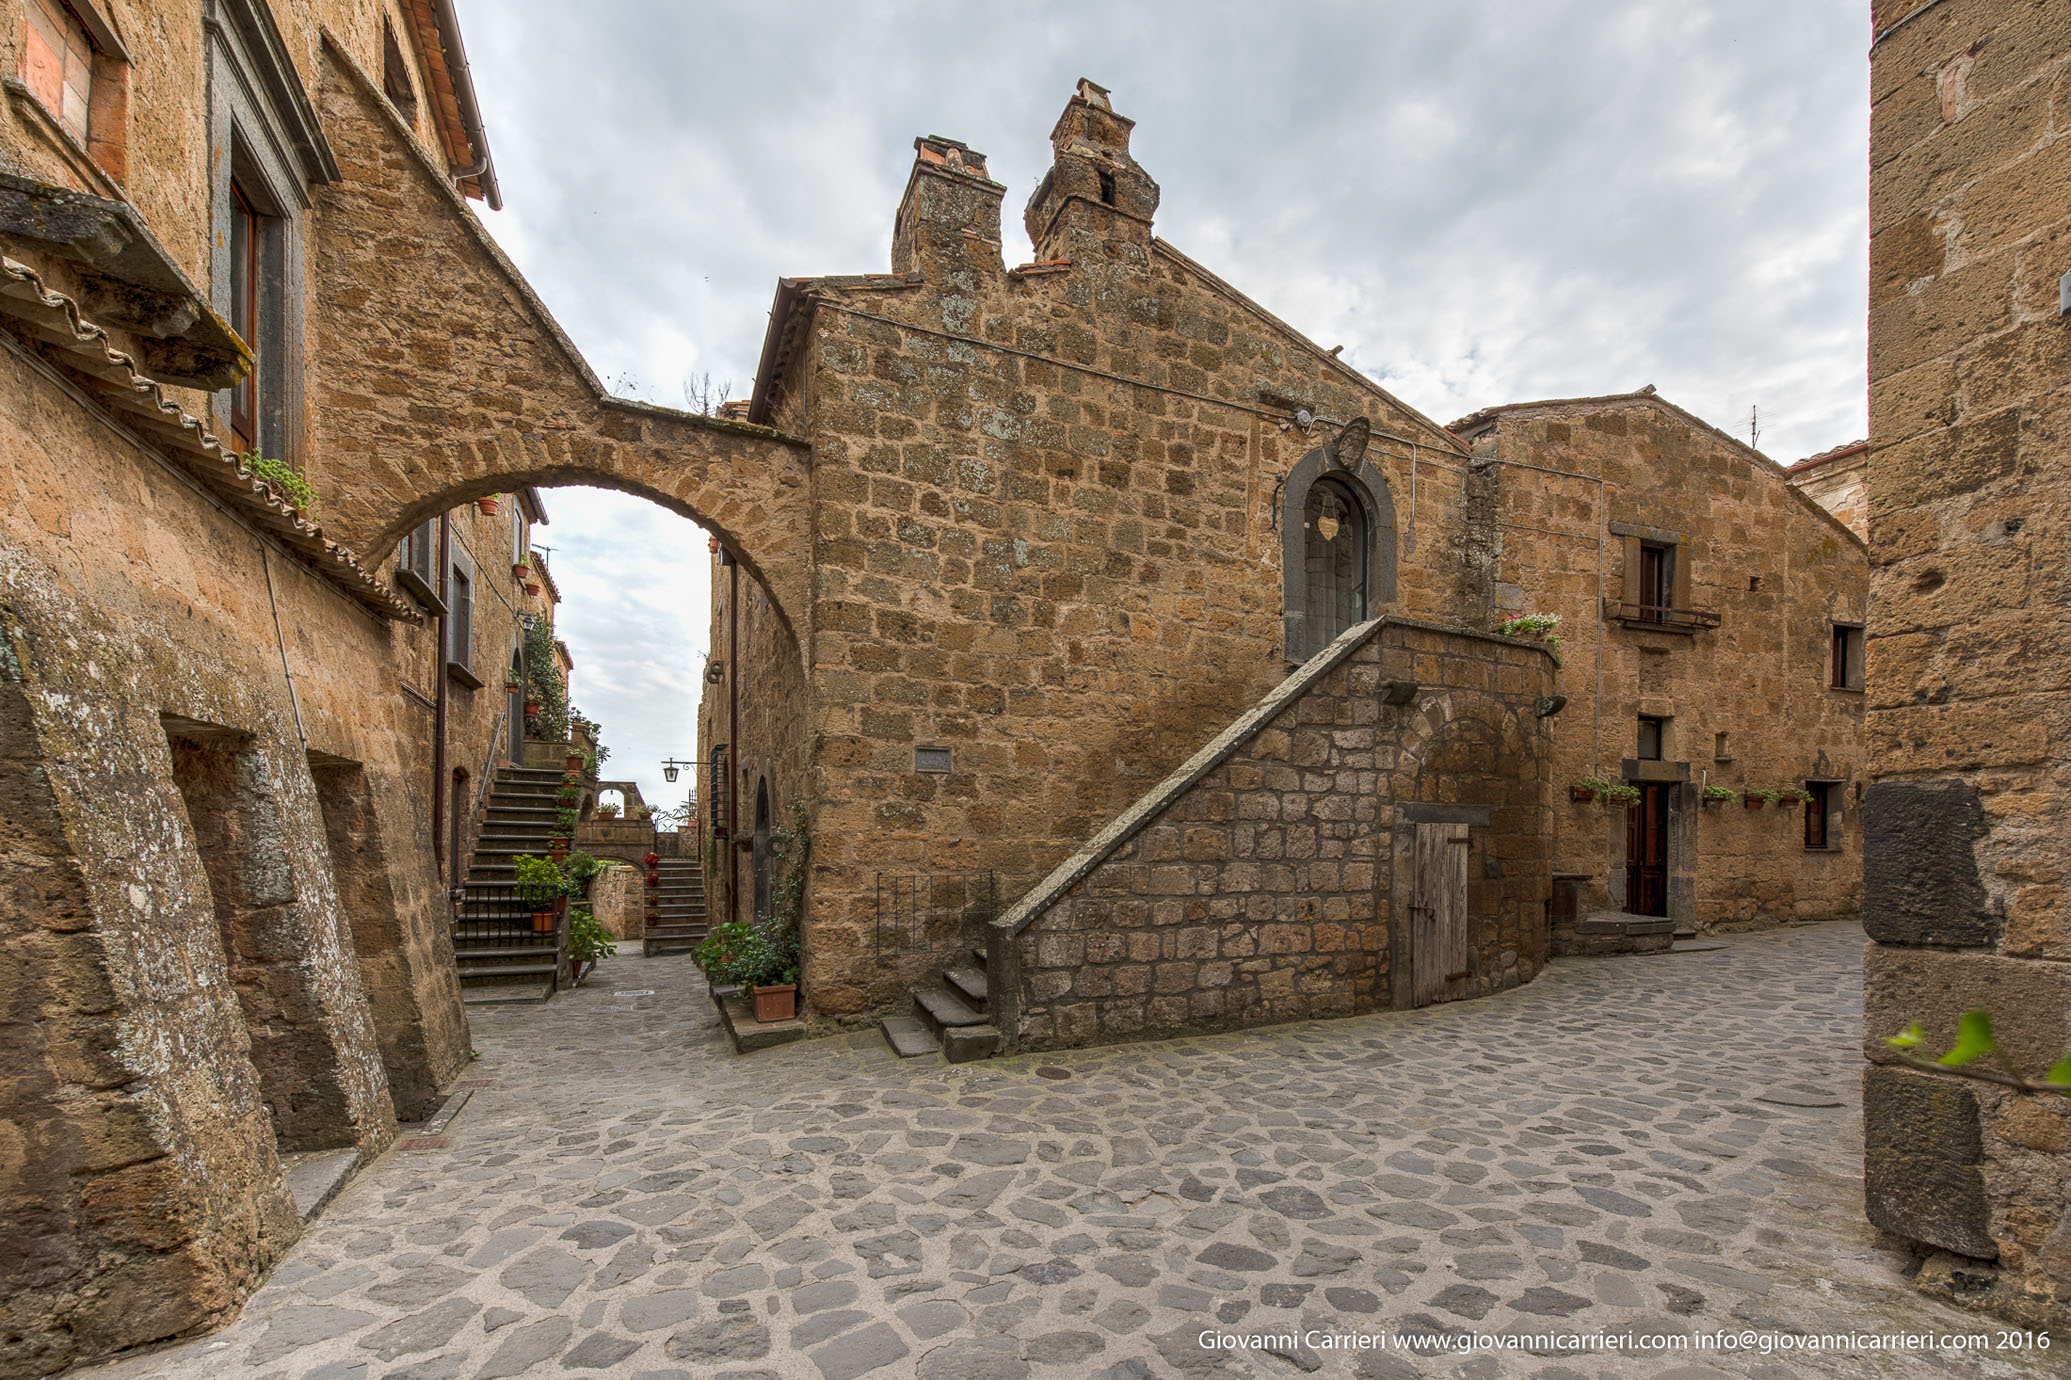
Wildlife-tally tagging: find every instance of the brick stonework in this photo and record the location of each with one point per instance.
(1274, 888)
(1970, 703)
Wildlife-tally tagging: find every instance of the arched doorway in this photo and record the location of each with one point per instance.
(1335, 541)
(514, 708)
(762, 880)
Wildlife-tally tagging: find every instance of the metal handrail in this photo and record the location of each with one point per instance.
(489, 760)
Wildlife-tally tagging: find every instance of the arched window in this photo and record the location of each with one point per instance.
(1334, 561)
(762, 849)
(1337, 549)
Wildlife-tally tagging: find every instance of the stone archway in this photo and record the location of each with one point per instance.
(445, 379)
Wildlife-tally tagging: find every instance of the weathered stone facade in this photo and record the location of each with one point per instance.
(1970, 706)
(1738, 675)
(235, 756)
(1274, 881)
(1838, 481)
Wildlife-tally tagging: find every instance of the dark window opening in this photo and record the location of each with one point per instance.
(722, 813)
(1652, 731)
(1335, 545)
(460, 620)
(1754, 583)
(1816, 823)
(395, 73)
(1847, 659)
(1657, 582)
(1721, 748)
(931, 759)
(1107, 189)
(244, 317)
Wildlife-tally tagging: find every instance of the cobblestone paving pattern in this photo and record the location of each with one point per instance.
(1665, 1143)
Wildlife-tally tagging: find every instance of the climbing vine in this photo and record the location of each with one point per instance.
(544, 683)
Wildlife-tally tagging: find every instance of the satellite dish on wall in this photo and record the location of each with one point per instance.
(1348, 448)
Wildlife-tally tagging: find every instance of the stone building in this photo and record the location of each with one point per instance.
(1968, 817)
(1836, 480)
(1071, 521)
(1711, 626)
(239, 737)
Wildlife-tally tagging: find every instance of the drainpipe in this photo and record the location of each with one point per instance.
(438, 718)
(733, 736)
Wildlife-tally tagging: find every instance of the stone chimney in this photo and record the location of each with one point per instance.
(1094, 192)
(949, 219)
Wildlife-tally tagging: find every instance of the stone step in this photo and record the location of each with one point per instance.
(498, 952)
(506, 970)
(964, 1043)
(942, 1011)
(968, 983)
(908, 1036)
(511, 994)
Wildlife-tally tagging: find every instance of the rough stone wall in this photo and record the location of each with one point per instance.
(1778, 570)
(1275, 887)
(1839, 485)
(618, 898)
(1046, 533)
(773, 747)
(146, 1164)
(1970, 703)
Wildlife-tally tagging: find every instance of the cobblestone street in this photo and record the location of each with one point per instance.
(1665, 1144)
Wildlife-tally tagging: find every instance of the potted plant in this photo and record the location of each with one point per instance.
(511, 684)
(607, 812)
(488, 505)
(1755, 800)
(1588, 788)
(1620, 794)
(1534, 627)
(588, 941)
(522, 568)
(1716, 795)
(532, 587)
(1791, 797)
(541, 884)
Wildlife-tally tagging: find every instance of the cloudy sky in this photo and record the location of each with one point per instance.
(1484, 201)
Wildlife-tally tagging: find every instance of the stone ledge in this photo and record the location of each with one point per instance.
(737, 1014)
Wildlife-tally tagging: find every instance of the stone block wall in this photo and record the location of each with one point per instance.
(1746, 704)
(1274, 885)
(1969, 817)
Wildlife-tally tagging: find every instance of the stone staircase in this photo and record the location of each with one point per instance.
(499, 960)
(680, 921)
(949, 1017)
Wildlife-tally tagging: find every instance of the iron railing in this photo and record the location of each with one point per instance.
(1665, 616)
(497, 915)
(720, 794)
(934, 911)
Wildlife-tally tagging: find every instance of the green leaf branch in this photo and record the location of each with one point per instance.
(1975, 1041)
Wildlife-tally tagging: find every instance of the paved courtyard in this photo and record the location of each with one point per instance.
(1664, 1145)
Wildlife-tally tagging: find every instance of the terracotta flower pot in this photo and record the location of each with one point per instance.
(779, 1003)
(1787, 803)
(1581, 793)
(521, 570)
(488, 506)
(542, 922)
(533, 587)
(574, 762)
(1752, 804)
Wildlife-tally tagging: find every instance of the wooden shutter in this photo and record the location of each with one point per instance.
(1438, 911)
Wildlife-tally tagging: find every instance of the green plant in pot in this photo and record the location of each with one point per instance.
(1717, 795)
(588, 941)
(1792, 796)
(1755, 800)
(1620, 794)
(1588, 788)
(541, 885)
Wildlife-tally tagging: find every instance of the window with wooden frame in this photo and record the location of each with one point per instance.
(417, 565)
(245, 239)
(460, 618)
(57, 63)
(1656, 585)
(1655, 590)
(1846, 667)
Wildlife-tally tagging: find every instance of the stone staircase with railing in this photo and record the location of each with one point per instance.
(950, 1016)
(680, 920)
(498, 959)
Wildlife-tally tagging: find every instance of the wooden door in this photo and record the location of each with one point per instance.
(1646, 851)
(1438, 911)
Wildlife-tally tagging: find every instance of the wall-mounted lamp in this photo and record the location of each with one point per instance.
(671, 766)
(1398, 692)
(1546, 706)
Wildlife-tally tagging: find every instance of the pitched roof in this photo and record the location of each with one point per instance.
(1837, 453)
